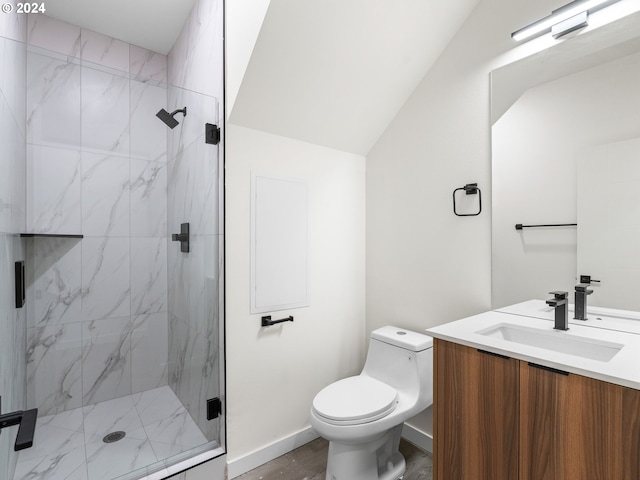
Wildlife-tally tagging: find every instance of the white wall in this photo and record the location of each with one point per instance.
(425, 266)
(273, 373)
(243, 22)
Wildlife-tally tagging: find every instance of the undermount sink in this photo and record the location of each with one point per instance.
(554, 340)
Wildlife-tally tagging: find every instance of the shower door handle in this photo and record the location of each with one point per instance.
(26, 419)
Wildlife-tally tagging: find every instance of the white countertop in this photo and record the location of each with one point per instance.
(623, 369)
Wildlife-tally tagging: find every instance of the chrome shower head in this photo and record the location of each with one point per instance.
(168, 118)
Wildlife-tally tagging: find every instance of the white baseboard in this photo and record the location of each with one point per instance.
(418, 438)
(260, 457)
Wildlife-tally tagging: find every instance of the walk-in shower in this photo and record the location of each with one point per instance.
(119, 344)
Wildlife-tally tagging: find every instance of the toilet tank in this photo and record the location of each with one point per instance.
(406, 339)
(402, 359)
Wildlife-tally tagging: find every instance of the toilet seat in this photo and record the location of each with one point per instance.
(355, 400)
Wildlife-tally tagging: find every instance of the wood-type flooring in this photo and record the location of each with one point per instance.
(309, 463)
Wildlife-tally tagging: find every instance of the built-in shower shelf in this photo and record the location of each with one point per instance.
(50, 235)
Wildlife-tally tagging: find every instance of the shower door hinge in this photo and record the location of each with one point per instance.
(214, 408)
(211, 133)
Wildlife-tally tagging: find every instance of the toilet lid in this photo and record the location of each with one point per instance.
(355, 400)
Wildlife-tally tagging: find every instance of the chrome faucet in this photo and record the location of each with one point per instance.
(561, 305)
(580, 303)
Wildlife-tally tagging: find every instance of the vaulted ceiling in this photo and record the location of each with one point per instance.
(329, 72)
(336, 72)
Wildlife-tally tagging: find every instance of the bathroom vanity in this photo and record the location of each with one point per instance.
(516, 399)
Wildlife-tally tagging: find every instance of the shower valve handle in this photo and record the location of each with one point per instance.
(182, 237)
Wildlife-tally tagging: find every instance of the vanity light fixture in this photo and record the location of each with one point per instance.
(564, 20)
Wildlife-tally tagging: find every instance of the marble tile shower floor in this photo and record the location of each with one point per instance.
(70, 446)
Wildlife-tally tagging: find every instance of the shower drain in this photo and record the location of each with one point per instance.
(113, 437)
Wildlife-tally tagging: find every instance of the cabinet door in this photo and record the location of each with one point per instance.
(476, 412)
(570, 426)
(630, 434)
(544, 412)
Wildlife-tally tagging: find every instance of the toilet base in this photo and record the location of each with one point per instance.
(377, 459)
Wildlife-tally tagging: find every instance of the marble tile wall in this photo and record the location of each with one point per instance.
(195, 194)
(12, 217)
(196, 61)
(97, 166)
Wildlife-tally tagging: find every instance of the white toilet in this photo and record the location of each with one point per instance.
(362, 416)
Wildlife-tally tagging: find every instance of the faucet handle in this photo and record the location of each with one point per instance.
(584, 287)
(587, 279)
(558, 295)
(559, 299)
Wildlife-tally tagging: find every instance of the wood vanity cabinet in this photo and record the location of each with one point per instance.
(476, 414)
(498, 418)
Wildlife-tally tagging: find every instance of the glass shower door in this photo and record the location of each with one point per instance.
(195, 283)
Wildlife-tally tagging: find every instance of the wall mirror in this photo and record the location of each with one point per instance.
(566, 149)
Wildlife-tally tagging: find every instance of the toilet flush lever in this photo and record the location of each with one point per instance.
(27, 429)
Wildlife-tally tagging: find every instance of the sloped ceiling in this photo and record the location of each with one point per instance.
(336, 72)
